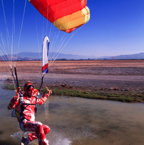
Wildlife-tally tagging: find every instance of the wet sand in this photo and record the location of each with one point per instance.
(78, 121)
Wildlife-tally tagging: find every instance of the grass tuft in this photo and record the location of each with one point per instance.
(122, 97)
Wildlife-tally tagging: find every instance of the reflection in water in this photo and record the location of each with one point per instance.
(46, 108)
(77, 121)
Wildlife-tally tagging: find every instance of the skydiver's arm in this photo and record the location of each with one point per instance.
(36, 92)
(44, 98)
(14, 101)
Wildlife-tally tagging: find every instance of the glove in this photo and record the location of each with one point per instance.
(48, 94)
(16, 97)
(18, 90)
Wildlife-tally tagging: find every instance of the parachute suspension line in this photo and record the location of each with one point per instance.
(62, 43)
(54, 40)
(13, 30)
(10, 69)
(7, 32)
(55, 32)
(65, 45)
(58, 52)
(60, 47)
(57, 35)
(21, 25)
(3, 46)
(3, 56)
(52, 26)
(37, 32)
(43, 29)
(13, 78)
(47, 21)
(63, 40)
(10, 66)
(4, 52)
(73, 35)
(50, 30)
(3, 42)
(8, 38)
(63, 37)
(9, 57)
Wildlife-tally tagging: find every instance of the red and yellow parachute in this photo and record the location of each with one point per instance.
(66, 15)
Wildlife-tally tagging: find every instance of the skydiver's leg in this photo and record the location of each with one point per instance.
(33, 136)
(46, 129)
(39, 131)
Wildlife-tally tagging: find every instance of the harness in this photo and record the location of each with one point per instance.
(14, 112)
(22, 104)
(23, 107)
(17, 114)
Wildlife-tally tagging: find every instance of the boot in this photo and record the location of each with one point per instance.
(24, 141)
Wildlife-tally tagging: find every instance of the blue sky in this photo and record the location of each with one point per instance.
(116, 27)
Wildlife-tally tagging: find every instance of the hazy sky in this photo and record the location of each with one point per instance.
(116, 27)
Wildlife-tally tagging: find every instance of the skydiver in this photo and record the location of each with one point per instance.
(24, 105)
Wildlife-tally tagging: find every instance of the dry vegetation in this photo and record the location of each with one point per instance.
(108, 76)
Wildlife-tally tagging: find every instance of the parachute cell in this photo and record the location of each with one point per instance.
(66, 15)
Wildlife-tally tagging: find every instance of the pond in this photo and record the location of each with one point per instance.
(77, 121)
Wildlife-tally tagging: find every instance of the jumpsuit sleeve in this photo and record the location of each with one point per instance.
(13, 103)
(36, 92)
(43, 99)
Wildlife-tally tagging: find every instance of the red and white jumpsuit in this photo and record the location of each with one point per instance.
(26, 116)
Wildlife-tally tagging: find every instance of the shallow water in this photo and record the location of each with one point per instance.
(77, 121)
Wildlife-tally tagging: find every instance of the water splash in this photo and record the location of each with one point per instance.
(62, 141)
(18, 136)
(57, 139)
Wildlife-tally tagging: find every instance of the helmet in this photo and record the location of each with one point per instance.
(30, 87)
(29, 90)
(26, 85)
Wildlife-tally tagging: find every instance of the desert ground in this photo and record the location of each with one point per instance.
(104, 75)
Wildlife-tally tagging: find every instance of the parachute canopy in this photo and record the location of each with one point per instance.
(66, 15)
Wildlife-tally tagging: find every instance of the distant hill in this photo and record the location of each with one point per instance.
(54, 55)
(23, 56)
(130, 56)
(14, 57)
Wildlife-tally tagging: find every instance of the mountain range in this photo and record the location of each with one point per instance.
(23, 56)
(130, 56)
(53, 55)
